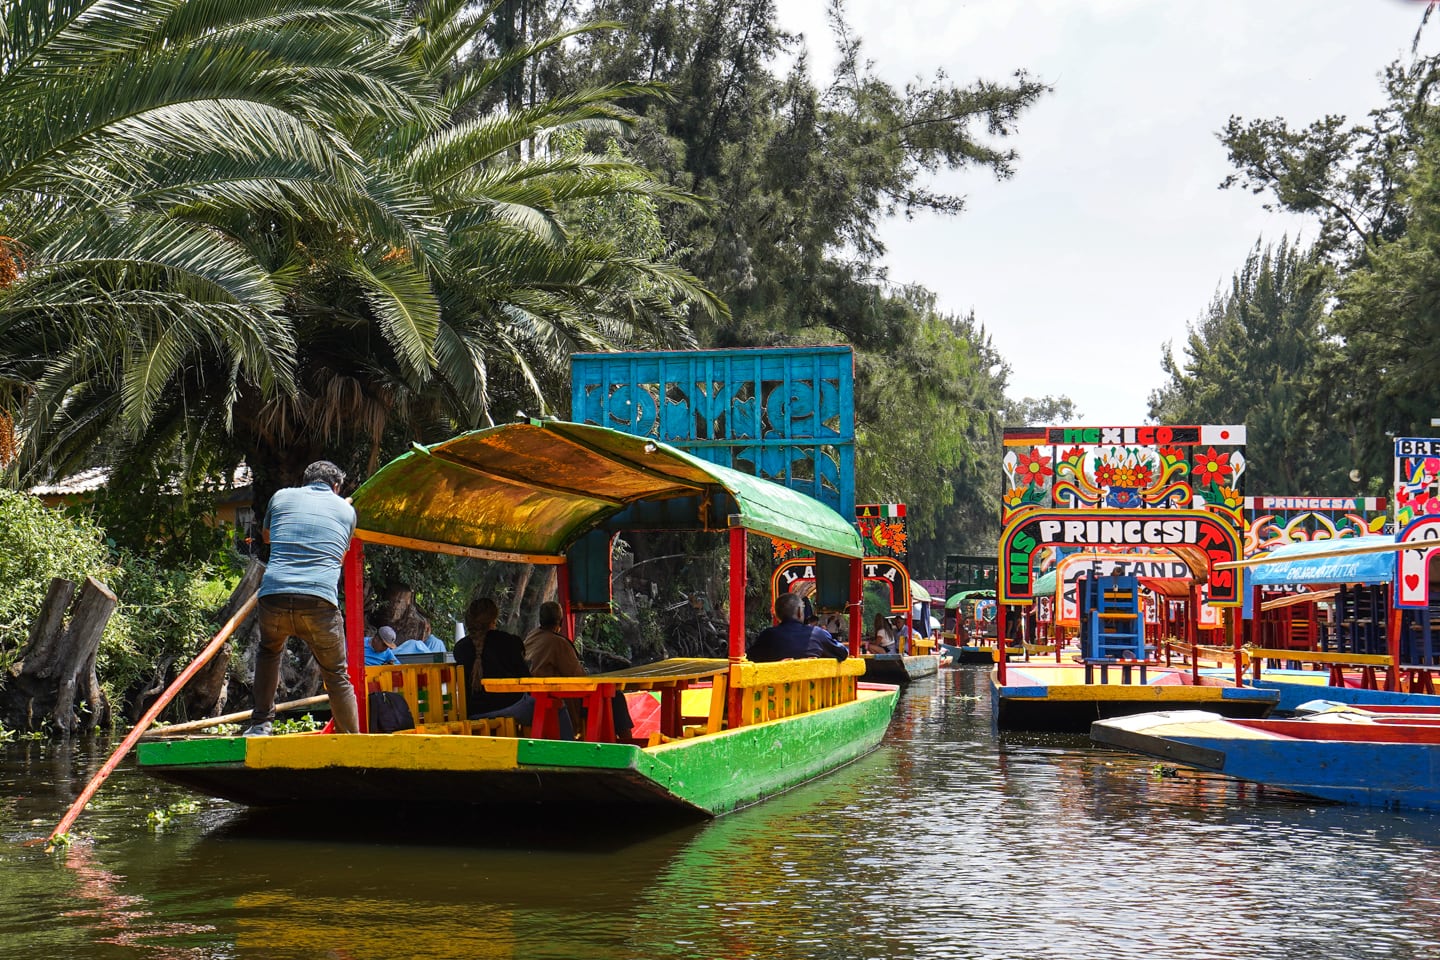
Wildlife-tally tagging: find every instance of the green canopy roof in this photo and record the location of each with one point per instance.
(955, 599)
(528, 491)
(1044, 585)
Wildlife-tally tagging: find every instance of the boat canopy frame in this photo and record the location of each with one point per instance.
(528, 492)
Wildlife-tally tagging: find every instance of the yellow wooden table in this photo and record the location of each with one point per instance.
(595, 690)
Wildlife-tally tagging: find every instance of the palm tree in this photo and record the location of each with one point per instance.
(418, 266)
(518, 286)
(138, 142)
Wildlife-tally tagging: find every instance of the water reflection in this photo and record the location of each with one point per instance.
(947, 842)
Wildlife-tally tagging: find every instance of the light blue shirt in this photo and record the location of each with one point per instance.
(431, 644)
(310, 529)
(383, 658)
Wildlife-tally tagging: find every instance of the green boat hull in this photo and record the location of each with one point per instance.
(702, 776)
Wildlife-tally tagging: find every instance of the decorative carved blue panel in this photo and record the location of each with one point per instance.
(785, 414)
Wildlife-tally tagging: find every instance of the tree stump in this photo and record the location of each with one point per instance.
(57, 667)
(208, 692)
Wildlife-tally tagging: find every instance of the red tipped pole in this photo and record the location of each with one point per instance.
(143, 724)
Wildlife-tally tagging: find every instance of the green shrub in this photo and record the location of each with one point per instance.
(165, 615)
(164, 612)
(36, 545)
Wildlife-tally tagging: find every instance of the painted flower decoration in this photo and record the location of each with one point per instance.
(1033, 468)
(1172, 454)
(1075, 455)
(1211, 467)
(1231, 497)
(1014, 498)
(1124, 474)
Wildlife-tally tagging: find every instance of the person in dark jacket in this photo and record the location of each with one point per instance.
(500, 654)
(791, 639)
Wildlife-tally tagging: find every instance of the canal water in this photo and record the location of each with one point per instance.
(948, 841)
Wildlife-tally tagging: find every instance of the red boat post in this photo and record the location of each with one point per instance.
(352, 572)
(739, 562)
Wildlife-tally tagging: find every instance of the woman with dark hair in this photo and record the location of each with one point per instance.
(487, 652)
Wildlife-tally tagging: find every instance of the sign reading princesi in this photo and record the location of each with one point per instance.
(1189, 533)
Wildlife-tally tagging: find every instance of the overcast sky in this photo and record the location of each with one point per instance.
(1112, 236)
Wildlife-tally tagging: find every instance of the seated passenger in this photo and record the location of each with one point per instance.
(380, 649)
(882, 640)
(549, 653)
(499, 655)
(791, 639)
(429, 644)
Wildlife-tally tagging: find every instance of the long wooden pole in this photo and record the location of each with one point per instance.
(143, 724)
(193, 725)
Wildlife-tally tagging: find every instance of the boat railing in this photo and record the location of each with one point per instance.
(773, 691)
(434, 692)
(756, 693)
(1336, 662)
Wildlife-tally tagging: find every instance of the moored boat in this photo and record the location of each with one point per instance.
(1378, 759)
(731, 732)
(900, 668)
(1043, 695)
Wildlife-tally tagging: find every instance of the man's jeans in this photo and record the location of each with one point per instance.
(319, 623)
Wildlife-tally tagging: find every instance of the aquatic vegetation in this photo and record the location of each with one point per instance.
(305, 724)
(161, 817)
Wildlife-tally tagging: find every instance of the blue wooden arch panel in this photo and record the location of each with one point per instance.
(787, 414)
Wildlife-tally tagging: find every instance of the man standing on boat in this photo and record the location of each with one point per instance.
(791, 639)
(308, 529)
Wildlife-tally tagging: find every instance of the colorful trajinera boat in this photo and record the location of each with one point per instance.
(1378, 758)
(882, 534)
(1326, 624)
(730, 732)
(1159, 495)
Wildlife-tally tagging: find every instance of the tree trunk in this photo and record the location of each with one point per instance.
(58, 664)
(517, 597)
(208, 691)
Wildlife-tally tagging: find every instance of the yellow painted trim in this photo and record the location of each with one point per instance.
(435, 546)
(1319, 656)
(384, 751)
(744, 673)
(1129, 691)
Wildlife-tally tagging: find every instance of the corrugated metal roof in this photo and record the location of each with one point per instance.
(95, 478)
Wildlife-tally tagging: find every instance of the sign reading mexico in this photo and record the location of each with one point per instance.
(1200, 537)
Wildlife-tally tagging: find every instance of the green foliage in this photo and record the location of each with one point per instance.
(161, 817)
(165, 510)
(601, 631)
(163, 610)
(1262, 356)
(165, 614)
(1367, 369)
(304, 724)
(438, 580)
(37, 545)
(798, 176)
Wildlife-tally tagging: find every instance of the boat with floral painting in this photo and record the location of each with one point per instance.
(1170, 490)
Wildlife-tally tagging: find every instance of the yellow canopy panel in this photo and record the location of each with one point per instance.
(527, 491)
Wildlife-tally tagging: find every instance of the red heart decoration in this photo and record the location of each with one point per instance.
(1412, 581)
